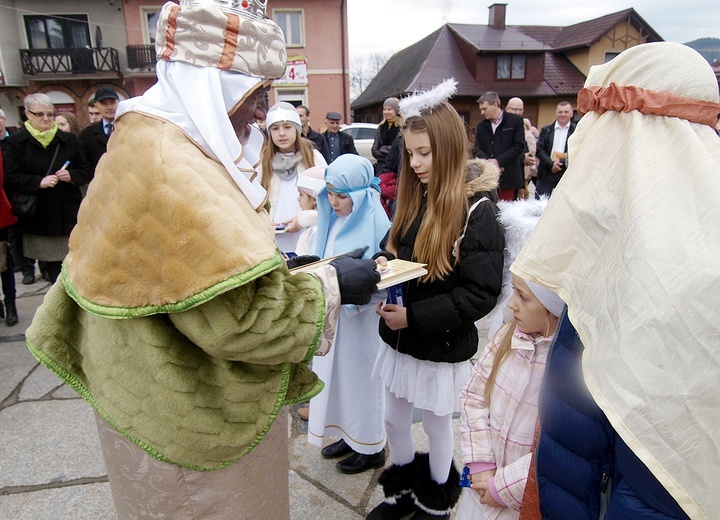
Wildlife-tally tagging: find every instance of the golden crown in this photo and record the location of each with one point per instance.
(252, 8)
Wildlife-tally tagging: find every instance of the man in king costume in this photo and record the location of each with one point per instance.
(176, 318)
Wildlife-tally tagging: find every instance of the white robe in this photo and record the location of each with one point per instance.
(352, 405)
(284, 205)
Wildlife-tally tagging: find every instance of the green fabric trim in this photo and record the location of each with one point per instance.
(81, 389)
(320, 321)
(121, 313)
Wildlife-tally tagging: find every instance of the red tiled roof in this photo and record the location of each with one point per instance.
(546, 34)
(584, 34)
(489, 39)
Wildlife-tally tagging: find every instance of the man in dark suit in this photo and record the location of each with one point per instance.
(552, 149)
(95, 137)
(337, 142)
(500, 138)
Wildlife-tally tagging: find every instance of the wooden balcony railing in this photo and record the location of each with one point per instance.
(69, 61)
(141, 56)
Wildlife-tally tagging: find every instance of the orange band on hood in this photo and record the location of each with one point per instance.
(627, 98)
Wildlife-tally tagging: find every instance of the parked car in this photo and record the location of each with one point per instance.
(363, 135)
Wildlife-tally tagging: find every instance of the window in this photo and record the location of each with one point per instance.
(365, 133)
(150, 16)
(610, 55)
(68, 31)
(291, 23)
(295, 96)
(511, 66)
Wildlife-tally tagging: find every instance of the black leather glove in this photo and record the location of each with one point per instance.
(357, 278)
(386, 254)
(297, 261)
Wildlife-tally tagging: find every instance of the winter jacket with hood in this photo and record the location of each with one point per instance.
(583, 466)
(441, 314)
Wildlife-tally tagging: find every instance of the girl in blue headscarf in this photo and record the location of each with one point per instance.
(351, 405)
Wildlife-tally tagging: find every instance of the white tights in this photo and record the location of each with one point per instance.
(398, 426)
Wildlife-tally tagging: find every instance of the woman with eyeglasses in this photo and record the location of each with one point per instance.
(43, 161)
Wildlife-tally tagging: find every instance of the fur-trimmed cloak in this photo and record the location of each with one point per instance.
(176, 318)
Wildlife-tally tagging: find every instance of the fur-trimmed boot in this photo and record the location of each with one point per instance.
(397, 482)
(435, 501)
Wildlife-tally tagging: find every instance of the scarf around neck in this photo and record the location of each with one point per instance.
(44, 138)
(284, 165)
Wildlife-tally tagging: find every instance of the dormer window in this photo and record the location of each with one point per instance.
(511, 66)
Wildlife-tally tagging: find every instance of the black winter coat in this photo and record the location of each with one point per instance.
(393, 161)
(384, 138)
(27, 162)
(441, 314)
(317, 140)
(94, 143)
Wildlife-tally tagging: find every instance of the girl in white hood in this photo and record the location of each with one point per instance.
(309, 183)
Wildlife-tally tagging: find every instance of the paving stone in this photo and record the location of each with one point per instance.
(82, 502)
(65, 392)
(47, 442)
(39, 383)
(306, 460)
(15, 365)
(307, 502)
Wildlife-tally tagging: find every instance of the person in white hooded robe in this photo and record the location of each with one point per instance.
(629, 240)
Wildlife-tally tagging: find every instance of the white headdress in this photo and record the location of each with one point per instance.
(414, 104)
(212, 54)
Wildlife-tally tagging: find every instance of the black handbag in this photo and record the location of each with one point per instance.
(24, 204)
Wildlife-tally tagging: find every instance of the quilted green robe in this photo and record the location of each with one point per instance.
(175, 316)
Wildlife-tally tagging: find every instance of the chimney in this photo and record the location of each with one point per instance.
(496, 19)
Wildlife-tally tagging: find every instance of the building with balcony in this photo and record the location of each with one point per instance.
(69, 49)
(64, 49)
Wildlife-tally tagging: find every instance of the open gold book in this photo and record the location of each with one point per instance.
(397, 271)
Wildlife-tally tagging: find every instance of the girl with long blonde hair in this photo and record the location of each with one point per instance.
(500, 405)
(431, 336)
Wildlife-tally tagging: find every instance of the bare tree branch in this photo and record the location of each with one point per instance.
(364, 70)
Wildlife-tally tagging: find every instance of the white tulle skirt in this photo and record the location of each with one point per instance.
(427, 384)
